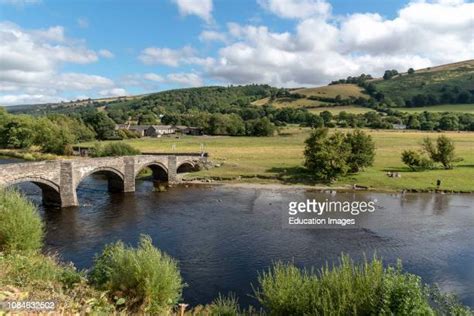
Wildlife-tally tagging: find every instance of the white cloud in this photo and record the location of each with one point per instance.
(200, 8)
(153, 77)
(297, 9)
(165, 56)
(106, 53)
(212, 36)
(82, 22)
(172, 57)
(151, 81)
(324, 48)
(28, 99)
(30, 63)
(185, 79)
(114, 92)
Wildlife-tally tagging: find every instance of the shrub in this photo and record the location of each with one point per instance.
(415, 160)
(347, 289)
(35, 277)
(225, 306)
(443, 152)
(145, 279)
(21, 227)
(114, 149)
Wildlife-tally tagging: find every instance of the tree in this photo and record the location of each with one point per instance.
(413, 122)
(449, 122)
(326, 156)
(260, 127)
(326, 116)
(415, 160)
(362, 150)
(388, 74)
(443, 152)
(411, 71)
(19, 132)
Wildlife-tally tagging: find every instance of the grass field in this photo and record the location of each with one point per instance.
(464, 108)
(337, 109)
(344, 90)
(291, 103)
(279, 159)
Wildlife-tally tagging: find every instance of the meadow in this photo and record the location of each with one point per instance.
(279, 159)
(463, 108)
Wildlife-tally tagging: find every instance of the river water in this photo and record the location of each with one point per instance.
(223, 236)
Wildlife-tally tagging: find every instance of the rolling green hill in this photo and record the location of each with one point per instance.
(435, 85)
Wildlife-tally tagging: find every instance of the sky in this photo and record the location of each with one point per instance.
(53, 51)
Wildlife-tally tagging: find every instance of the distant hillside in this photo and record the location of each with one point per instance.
(68, 106)
(336, 98)
(445, 84)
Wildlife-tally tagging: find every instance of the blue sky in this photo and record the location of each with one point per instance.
(61, 50)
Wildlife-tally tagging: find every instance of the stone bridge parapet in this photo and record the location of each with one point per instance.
(58, 179)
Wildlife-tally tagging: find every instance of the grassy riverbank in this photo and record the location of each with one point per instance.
(279, 159)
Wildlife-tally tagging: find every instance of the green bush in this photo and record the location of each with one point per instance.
(415, 160)
(347, 289)
(443, 152)
(21, 227)
(143, 279)
(36, 277)
(225, 306)
(114, 149)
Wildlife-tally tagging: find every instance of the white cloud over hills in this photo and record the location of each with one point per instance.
(316, 48)
(324, 47)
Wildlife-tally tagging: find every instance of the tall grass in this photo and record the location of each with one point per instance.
(346, 289)
(21, 227)
(28, 276)
(143, 278)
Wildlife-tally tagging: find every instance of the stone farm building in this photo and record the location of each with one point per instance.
(159, 130)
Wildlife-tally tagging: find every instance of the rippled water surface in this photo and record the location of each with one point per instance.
(222, 236)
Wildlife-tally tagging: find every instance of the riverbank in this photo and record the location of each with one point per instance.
(320, 188)
(279, 160)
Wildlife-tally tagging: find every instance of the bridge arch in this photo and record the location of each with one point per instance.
(158, 169)
(115, 178)
(187, 166)
(50, 191)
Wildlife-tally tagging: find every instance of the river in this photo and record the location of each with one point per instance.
(223, 236)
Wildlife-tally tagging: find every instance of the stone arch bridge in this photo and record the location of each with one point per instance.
(58, 179)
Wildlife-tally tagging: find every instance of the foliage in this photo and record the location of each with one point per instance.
(144, 278)
(260, 127)
(225, 306)
(114, 149)
(36, 277)
(53, 134)
(326, 156)
(21, 227)
(443, 152)
(331, 156)
(347, 289)
(415, 160)
(450, 84)
(389, 74)
(362, 150)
